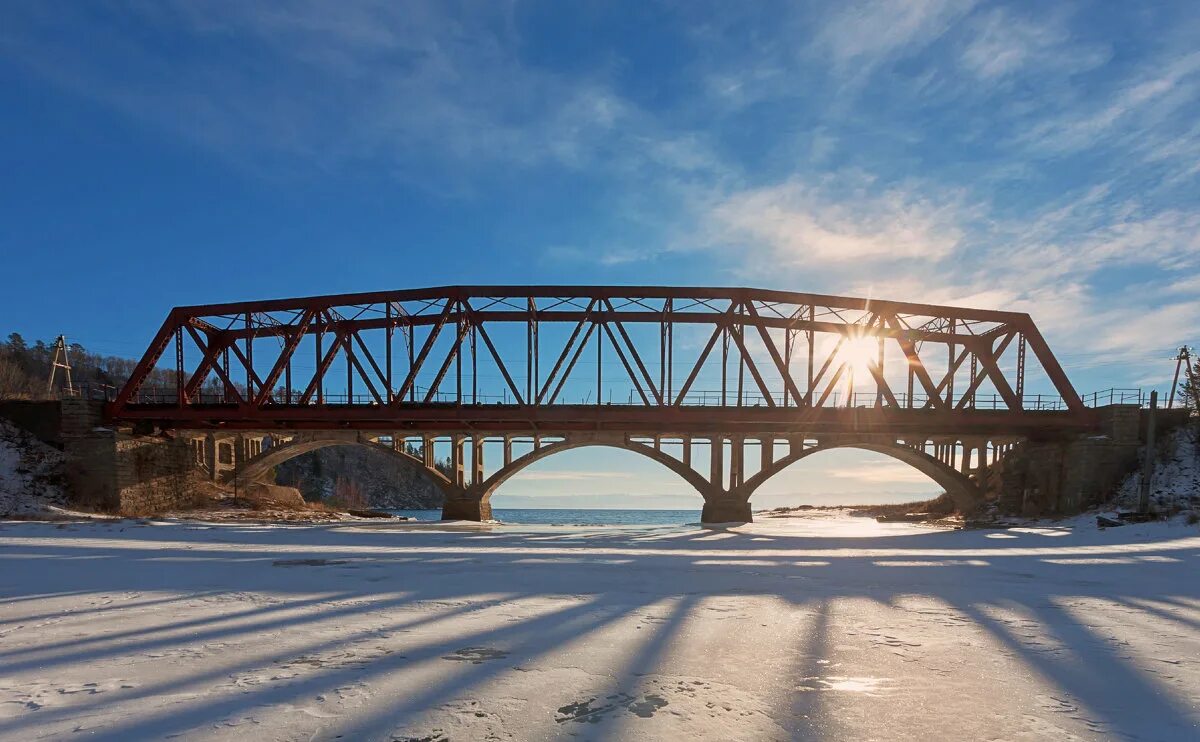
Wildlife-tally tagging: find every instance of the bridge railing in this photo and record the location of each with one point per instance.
(694, 398)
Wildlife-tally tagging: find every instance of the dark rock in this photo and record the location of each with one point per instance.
(385, 481)
(372, 514)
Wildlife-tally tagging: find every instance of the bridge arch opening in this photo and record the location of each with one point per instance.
(262, 467)
(596, 475)
(858, 474)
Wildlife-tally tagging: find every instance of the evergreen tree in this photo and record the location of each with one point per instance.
(1190, 386)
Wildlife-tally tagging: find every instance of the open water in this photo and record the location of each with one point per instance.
(581, 517)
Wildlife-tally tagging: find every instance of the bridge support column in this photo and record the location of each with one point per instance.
(716, 459)
(210, 455)
(239, 452)
(477, 460)
(427, 451)
(725, 510)
(466, 508)
(737, 450)
(456, 459)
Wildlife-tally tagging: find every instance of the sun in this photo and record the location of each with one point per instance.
(861, 352)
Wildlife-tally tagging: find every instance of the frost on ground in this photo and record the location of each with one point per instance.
(1175, 485)
(806, 628)
(30, 474)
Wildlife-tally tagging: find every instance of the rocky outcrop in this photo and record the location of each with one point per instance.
(384, 481)
(274, 494)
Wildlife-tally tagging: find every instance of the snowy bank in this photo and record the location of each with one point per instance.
(30, 474)
(1175, 485)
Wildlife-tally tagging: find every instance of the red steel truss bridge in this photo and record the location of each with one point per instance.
(724, 386)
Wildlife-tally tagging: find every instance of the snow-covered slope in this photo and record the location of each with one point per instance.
(1175, 485)
(30, 473)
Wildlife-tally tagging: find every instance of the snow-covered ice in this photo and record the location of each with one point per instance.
(810, 628)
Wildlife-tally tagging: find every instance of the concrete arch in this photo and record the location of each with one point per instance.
(959, 486)
(258, 466)
(690, 475)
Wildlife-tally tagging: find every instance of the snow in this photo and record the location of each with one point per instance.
(825, 626)
(1176, 481)
(29, 474)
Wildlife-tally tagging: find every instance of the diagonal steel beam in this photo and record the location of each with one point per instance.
(353, 360)
(751, 365)
(230, 387)
(625, 362)
(562, 357)
(487, 341)
(454, 351)
(570, 366)
(637, 359)
(691, 379)
(285, 356)
(318, 377)
(419, 361)
(784, 371)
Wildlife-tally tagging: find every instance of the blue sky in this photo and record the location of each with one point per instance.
(1042, 157)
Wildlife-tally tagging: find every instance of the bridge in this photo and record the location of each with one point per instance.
(723, 386)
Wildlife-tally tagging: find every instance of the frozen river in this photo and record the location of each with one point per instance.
(821, 628)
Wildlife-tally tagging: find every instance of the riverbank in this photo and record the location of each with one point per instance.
(833, 627)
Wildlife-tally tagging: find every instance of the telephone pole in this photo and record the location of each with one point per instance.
(60, 360)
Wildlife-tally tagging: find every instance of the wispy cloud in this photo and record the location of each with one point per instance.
(1002, 43)
(829, 222)
(881, 472)
(861, 35)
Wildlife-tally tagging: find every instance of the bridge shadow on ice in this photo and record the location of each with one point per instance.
(240, 619)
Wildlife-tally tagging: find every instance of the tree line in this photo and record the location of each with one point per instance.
(25, 370)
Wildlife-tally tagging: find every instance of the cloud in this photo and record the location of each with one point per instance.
(922, 241)
(1139, 108)
(881, 472)
(862, 35)
(799, 223)
(417, 87)
(1004, 43)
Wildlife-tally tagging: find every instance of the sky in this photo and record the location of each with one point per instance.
(1039, 157)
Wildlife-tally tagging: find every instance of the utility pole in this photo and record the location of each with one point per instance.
(1180, 358)
(60, 360)
(1148, 460)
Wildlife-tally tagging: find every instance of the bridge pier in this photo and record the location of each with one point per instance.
(726, 510)
(467, 508)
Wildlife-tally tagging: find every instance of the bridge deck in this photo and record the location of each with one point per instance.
(624, 418)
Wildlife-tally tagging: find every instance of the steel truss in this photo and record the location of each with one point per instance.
(690, 360)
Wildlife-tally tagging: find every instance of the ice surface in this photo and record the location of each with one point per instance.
(825, 627)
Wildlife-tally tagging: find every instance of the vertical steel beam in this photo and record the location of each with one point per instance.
(180, 397)
(391, 329)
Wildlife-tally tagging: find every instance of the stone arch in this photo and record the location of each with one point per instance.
(257, 467)
(687, 473)
(959, 486)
